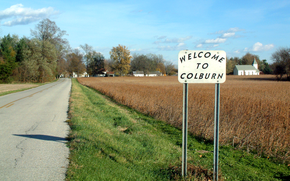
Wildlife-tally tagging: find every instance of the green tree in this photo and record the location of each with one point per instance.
(48, 32)
(121, 59)
(46, 55)
(29, 66)
(20, 48)
(230, 65)
(266, 68)
(97, 65)
(8, 58)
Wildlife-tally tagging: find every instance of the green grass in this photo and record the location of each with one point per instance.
(113, 142)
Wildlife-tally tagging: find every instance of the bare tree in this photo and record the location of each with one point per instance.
(281, 59)
(87, 49)
(47, 30)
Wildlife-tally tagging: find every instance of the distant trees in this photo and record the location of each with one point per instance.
(281, 59)
(142, 63)
(97, 63)
(75, 64)
(39, 59)
(88, 55)
(7, 57)
(121, 58)
(152, 62)
(247, 60)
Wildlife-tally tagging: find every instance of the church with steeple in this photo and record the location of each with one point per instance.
(247, 69)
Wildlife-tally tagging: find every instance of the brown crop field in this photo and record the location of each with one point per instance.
(13, 87)
(254, 112)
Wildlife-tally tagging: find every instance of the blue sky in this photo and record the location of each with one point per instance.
(159, 27)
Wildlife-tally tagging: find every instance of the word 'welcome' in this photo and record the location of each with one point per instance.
(202, 55)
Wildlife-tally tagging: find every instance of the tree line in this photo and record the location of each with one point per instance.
(47, 55)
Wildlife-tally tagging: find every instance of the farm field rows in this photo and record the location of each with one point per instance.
(254, 109)
(10, 88)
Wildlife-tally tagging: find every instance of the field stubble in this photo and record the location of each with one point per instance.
(254, 110)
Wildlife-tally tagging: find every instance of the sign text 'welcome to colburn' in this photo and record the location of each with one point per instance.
(202, 66)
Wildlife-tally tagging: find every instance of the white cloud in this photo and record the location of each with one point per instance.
(227, 35)
(260, 47)
(217, 40)
(231, 30)
(179, 46)
(199, 45)
(172, 40)
(161, 37)
(21, 15)
(216, 45)
(237, 51)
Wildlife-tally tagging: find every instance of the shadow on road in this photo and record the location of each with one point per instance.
(42, 137)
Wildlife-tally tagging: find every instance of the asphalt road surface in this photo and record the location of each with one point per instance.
(33, 132)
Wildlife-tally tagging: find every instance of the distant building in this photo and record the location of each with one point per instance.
(138, 73)
(247, 69)
(154, 74)
(75, 75)
(110, 74)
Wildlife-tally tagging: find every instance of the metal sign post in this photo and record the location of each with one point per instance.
(216, 131)
(184, 129)
(201, 66)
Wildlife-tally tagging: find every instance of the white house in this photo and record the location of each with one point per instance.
(247, 69)
(154, 74)
(138, 73)
(85, 74)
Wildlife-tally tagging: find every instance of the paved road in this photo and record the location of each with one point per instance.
(33, 132)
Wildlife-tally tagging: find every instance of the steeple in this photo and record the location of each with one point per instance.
(255, 64)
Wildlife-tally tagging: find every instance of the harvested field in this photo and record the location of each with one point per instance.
(13, 87)
(254, 109)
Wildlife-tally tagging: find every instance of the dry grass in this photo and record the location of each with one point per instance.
(13, 87)
(254, 109)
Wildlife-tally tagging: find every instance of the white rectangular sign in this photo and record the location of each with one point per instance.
(202, 66)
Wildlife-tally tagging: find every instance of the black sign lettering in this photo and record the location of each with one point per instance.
(181, 76)
(221, 59)
(182, 58)
(207, 75)
(207, 54)
(201, 75)
(220, 76)
(215, 57)
(199, 54)
(198, 65)
(205, 65)
(189, 76)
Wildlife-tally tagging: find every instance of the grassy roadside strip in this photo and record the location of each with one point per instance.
(112, 142)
